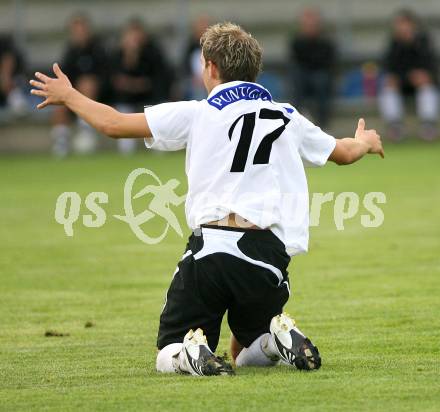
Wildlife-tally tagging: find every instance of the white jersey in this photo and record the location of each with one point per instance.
(245, 154)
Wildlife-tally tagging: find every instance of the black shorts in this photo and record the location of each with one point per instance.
(242, 271)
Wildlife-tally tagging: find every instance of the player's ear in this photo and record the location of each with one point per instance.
(213, 70)
(208, 67)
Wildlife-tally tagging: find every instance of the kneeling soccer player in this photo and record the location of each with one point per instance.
(247, 204)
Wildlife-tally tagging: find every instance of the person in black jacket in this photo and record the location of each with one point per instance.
(85, 62)
(313, 59)
(140, 74)
(410, 70)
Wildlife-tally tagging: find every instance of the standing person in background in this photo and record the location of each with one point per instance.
(84, 60)
(410, 70)
(140, 75)
(191, 64)
(11, 68)
(312, 61)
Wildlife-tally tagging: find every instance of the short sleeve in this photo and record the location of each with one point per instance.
(315, 146)
(170, 125)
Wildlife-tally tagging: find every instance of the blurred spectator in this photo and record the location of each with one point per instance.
(85, 62)
(192, 65)
(410, 70)
(361, 82)
(313, 59)
(139, 76)
(11, 70)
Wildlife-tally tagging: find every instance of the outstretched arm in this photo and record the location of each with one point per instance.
(350, 150)
(105, 119)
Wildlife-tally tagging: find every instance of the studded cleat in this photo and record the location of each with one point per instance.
(199, 358)
(293, 347)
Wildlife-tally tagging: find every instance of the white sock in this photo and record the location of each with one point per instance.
(86, 139)
(391, 105)
(60, 135)
(171, 360)
(268, 346)
(261, 352)
(427, 103)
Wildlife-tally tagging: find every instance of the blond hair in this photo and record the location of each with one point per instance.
(235, 52)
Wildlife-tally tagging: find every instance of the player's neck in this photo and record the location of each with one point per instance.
(213, 84)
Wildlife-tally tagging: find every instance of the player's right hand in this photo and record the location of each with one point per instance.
(54, 90)
(370, 137)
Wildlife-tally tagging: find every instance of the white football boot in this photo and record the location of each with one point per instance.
(199, 359)
(293, 347)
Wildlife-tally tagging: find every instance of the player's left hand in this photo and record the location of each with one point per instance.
(54, 90)
(370, 137)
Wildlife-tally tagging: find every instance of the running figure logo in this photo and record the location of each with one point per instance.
(163, 196)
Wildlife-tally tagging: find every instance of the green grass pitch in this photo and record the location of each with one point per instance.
(369, 298)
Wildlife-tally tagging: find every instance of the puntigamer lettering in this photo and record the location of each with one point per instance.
(243, 91)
